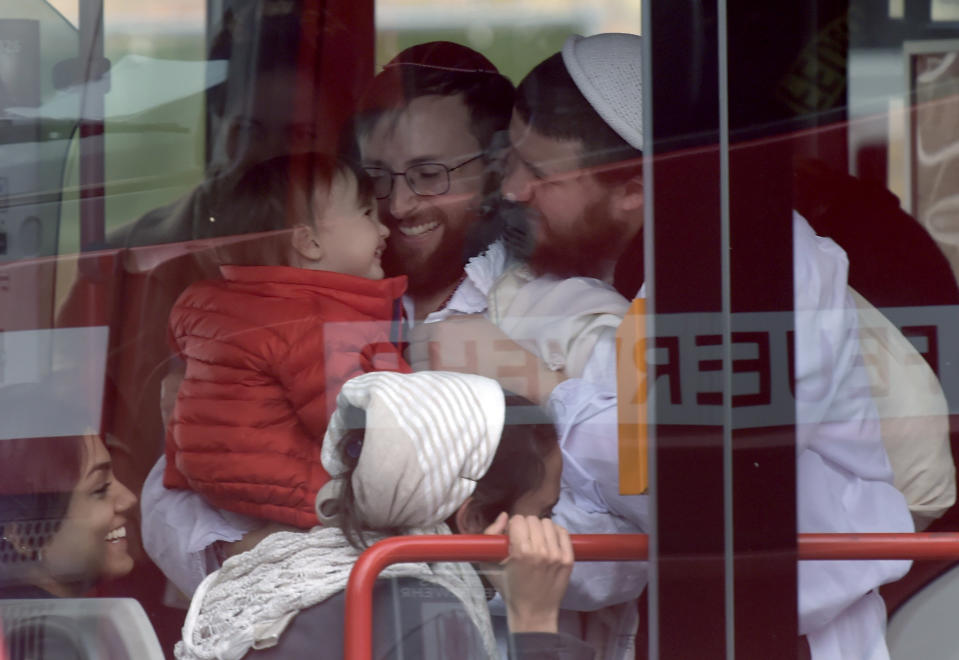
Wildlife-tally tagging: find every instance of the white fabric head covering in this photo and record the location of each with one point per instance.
(608, 70)
(429, 437)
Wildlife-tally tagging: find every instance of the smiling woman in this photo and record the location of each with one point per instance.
(62, 515)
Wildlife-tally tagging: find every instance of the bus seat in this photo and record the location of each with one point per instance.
(82, 628)
(922, 627)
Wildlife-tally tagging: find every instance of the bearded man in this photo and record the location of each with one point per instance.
(576, 141)
(425, 134)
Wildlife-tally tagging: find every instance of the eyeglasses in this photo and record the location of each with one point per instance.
(424, 179)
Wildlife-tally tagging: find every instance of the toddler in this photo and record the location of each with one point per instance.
(301, 308)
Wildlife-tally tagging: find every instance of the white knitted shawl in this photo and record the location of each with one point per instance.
(249, 602)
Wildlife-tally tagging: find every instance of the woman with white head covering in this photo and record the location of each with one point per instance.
(423, 453)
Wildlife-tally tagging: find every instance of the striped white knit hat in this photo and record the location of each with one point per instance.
(608, 71)
(430, 436)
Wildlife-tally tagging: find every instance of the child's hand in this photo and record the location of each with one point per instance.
(536, 573)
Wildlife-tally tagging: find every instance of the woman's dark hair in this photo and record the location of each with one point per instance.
(518, 466)
(37, 480)
(273, 196)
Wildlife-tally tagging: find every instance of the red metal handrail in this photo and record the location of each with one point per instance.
(358, 642)
(939, 545)
(358, 626)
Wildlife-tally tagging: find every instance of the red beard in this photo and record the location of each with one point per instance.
(590, 249)
(427, 272)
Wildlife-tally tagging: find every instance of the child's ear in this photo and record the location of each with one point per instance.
(306, 244)
(468, 518)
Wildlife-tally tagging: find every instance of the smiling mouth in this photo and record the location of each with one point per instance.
(418, 230)
(118, 534)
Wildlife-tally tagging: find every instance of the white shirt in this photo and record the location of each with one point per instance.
(844, 481)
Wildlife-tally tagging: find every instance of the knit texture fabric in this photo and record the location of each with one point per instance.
(248, 603)
(608, 71)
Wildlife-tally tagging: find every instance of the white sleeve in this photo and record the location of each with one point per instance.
(844, 481)
(178, 526)
(590, 503)
(595, 585)
(587, 425)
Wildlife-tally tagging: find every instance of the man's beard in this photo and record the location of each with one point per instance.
(428, 273)
(589, 250)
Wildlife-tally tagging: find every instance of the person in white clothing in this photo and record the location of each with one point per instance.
(575, 163)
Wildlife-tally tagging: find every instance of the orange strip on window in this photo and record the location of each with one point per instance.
(631, 401)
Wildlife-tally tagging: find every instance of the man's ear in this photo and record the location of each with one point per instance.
(626, 204)
(305, 243)
(628, 196)
(468, 519)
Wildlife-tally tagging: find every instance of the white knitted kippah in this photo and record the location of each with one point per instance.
(608, 70)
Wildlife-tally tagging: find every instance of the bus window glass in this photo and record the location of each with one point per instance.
(708, 252)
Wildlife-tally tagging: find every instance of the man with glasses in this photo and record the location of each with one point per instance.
(425, 133)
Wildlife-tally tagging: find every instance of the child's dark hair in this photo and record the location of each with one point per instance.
(272, 197)
(518, 466)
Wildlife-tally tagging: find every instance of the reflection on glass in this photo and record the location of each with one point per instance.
(935, 143)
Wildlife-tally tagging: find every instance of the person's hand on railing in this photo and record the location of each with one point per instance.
(534, 577)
